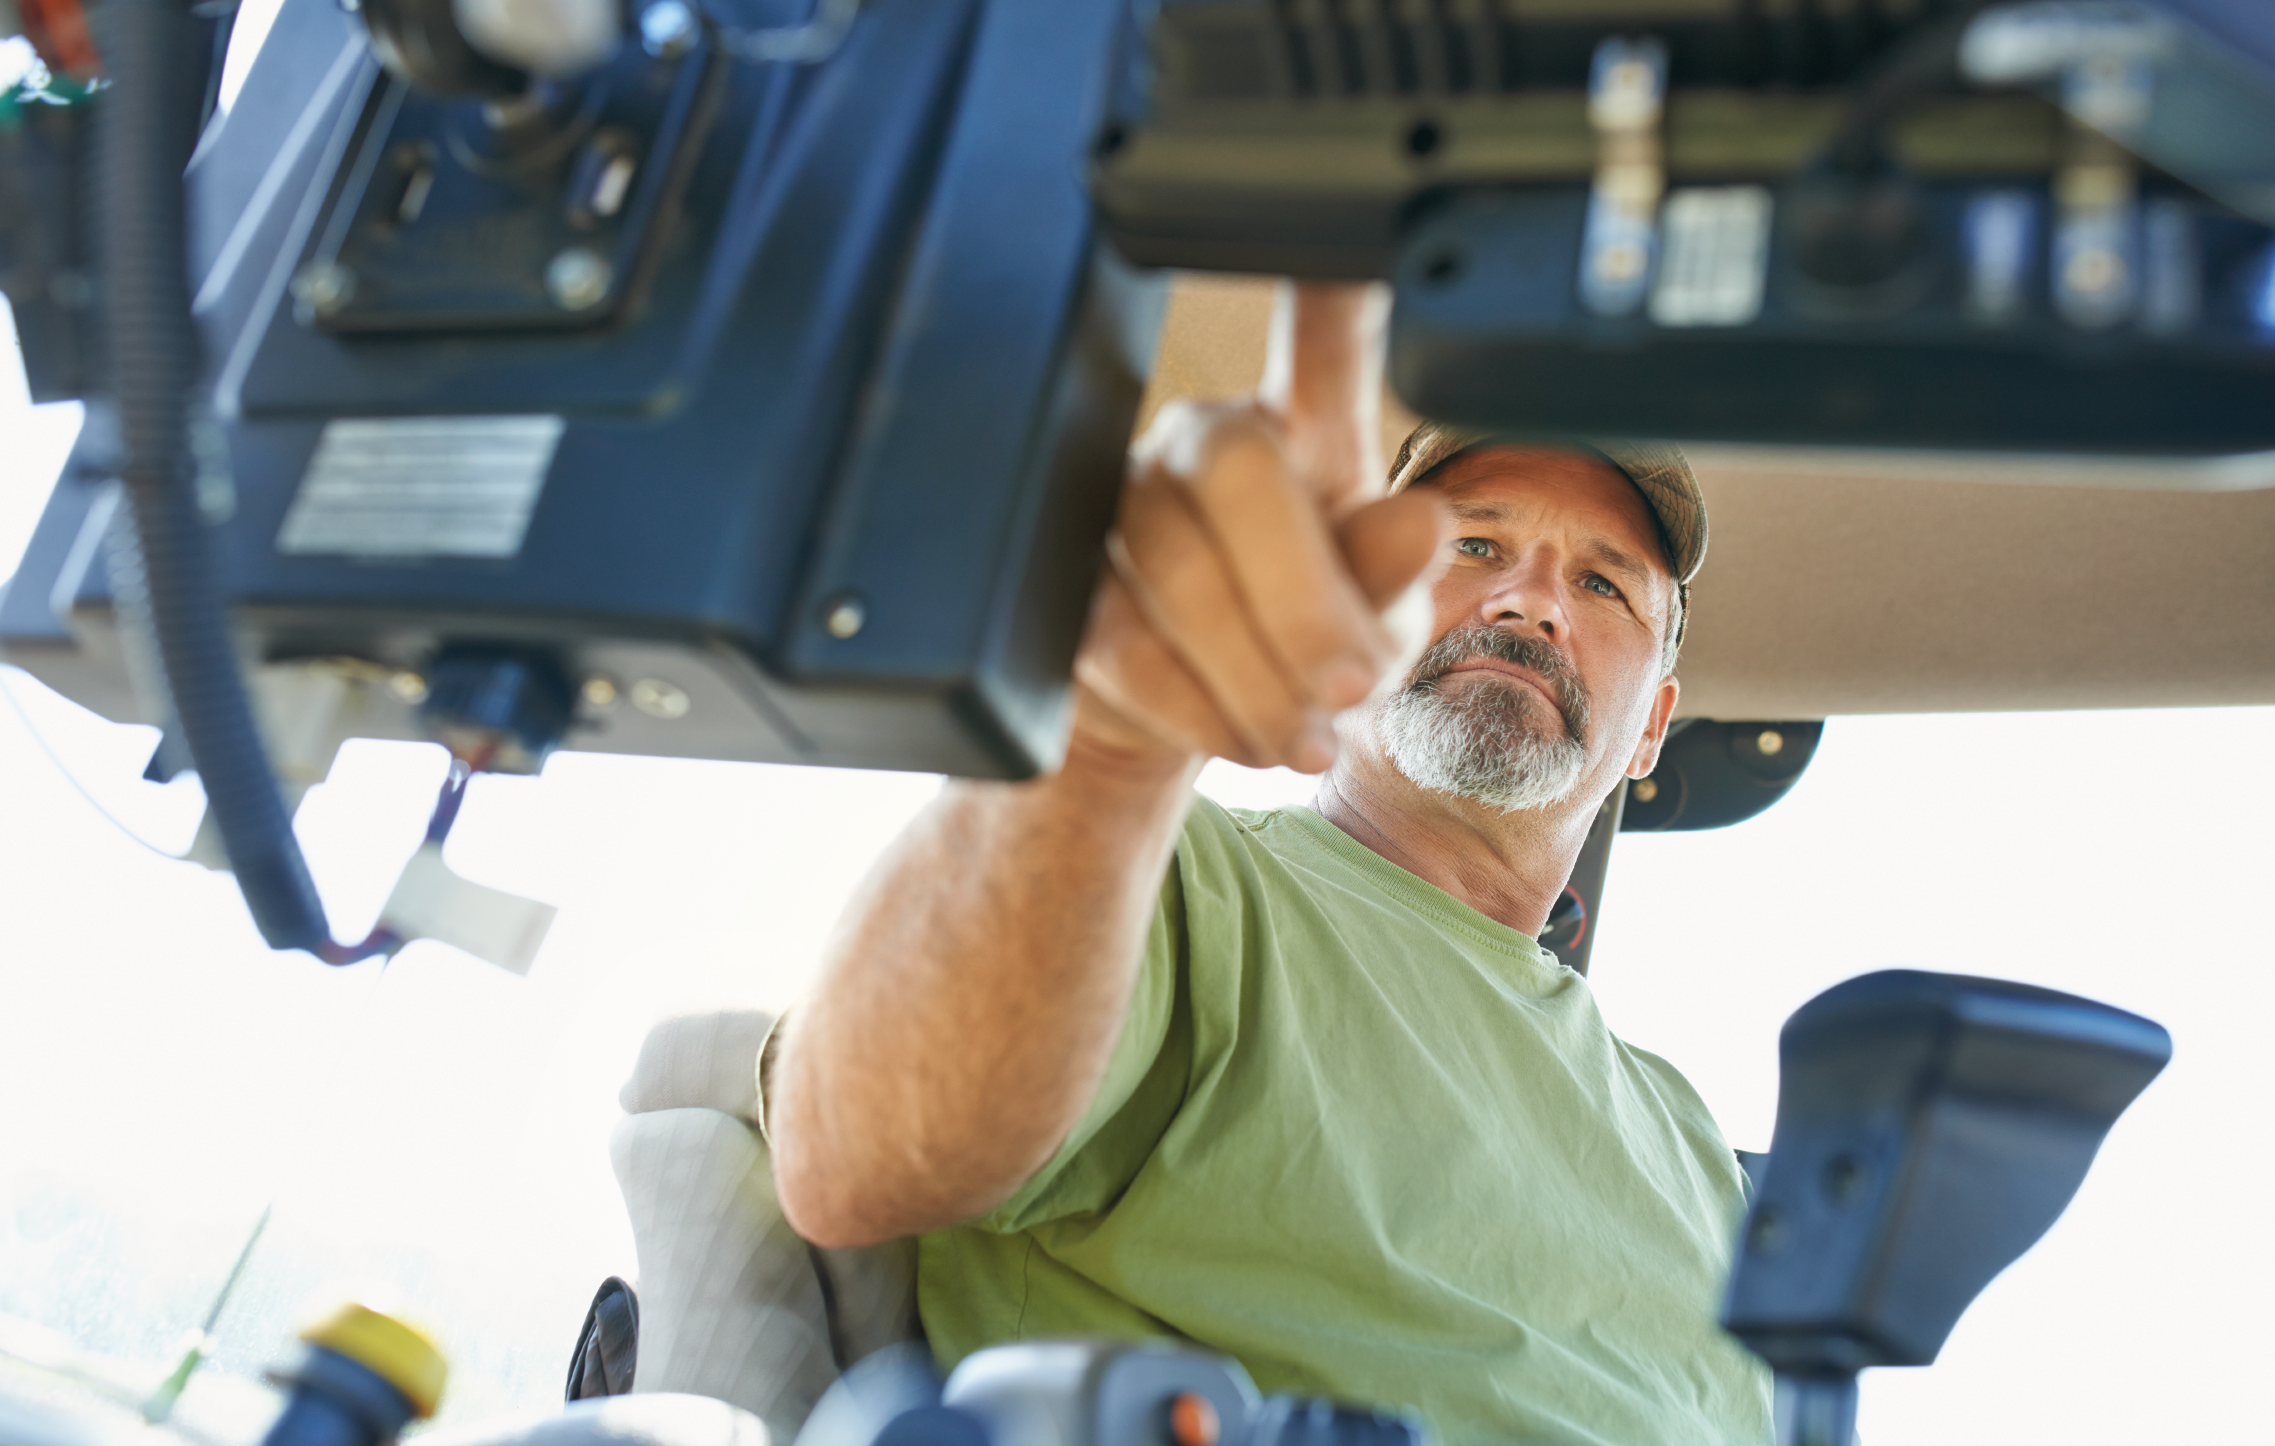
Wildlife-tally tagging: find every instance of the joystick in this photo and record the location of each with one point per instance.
(1930, 1127)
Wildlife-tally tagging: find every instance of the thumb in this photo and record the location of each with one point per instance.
(1392, 544)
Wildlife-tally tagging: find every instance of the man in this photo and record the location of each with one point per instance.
(1300, 1086)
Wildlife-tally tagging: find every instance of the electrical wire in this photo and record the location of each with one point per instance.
(380, 942)
(145, 133)
(1919, 65)
(39, 740)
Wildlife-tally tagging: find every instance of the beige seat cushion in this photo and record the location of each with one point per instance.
(733, 1304)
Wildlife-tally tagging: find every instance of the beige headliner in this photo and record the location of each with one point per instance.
(1873, 583)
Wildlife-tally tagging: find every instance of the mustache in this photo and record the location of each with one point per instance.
(1520, 650)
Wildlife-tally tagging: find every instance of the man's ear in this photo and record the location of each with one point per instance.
(1646, 755)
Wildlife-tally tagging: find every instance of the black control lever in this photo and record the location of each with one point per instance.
(1930, 1127)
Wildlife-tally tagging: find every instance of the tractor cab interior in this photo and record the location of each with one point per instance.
(510, 508)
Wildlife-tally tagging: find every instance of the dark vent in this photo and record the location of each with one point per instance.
(1350, 66)
(1248, 49)
(1226, 62)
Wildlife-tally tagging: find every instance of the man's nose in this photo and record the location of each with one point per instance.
(1526, 596)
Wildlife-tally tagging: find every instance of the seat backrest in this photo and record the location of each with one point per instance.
(733, 1304)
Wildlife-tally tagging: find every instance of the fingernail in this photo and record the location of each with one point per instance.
(1344, 682)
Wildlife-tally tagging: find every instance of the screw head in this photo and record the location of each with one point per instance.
(659, 699)
(1771, 742)
(323, 286)
(1766, 1235)
(1643, 790)
(1844, 1179)
(1620, 261)
(1445, 267)
(578, 278)
(667, 28)
(408, 686)
(845, 617)
(599, 691)
(2094, 272)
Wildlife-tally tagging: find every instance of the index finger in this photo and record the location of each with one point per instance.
(1323, 374)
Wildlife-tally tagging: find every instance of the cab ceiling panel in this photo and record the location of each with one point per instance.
(1874, 582)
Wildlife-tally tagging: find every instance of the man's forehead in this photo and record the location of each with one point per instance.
(1507, 482)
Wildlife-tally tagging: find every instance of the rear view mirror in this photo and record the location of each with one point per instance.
(1930, 1127)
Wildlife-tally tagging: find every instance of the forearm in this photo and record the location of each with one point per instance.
(974, 994)
(971, 998)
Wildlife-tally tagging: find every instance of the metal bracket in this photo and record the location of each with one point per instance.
(2097, 232)
(1627, 86)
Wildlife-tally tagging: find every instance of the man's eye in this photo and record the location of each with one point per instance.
(1600, 585)
(1475, 547)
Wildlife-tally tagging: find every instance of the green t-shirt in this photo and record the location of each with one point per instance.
(1378, 1147)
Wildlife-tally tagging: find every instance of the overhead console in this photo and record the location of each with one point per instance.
(1928, 225)
(601, 373)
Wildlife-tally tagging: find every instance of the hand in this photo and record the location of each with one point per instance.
(1255, 562)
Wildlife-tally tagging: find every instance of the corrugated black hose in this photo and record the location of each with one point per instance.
(145, 129)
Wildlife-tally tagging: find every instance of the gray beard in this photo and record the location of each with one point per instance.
(1495, 742)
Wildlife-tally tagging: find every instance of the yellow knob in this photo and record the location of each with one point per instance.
(400, 1355)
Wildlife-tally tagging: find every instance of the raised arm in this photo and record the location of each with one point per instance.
(976, 986)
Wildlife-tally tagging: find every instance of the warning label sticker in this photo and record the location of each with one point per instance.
(421, 486)
(1713, 255)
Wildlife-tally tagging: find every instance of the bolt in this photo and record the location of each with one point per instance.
(1644, 790)
(599, 691)
(1443, 268)
(1620, 261)
(614, 182)
(408, 687)
(323, 286)
(417, 186)
(667, 29)
(1771, 742)
(2090, 273)
(845, 617)
(1766, 1236)
(578, 279)
(659, 699)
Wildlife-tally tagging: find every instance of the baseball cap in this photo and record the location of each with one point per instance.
(1658, 470)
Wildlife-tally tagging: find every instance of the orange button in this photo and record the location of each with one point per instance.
(1193, 1420)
